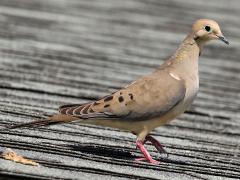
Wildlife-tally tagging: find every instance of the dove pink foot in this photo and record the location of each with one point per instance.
(147, 156)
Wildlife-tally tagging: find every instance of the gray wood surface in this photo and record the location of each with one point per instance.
(54, 52)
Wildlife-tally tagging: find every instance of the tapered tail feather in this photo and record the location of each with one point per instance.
(55, 119)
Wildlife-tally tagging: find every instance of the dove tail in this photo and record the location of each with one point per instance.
(55, 119)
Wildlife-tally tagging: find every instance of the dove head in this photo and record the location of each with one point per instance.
(204, 30)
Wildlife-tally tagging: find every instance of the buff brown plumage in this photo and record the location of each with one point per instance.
(152, 100)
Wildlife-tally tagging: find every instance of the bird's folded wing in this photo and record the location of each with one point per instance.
(149, 97)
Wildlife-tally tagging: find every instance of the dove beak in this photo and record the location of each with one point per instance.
(223, 39)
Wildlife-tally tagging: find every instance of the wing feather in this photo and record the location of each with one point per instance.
(146, 98)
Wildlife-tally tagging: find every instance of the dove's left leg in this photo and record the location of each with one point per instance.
(156, 144)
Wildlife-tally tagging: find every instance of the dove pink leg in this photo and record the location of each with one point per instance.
(145, 153)
(147, 156)
(156, 144)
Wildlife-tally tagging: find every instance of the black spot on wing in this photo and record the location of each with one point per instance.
(131, 96)
(107, 105)
(120, 99)
(108, 98)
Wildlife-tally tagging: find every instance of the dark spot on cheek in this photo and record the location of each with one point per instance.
(131, 96)
(196, 38)
(107, 105)
(120, 93)
(120, 99)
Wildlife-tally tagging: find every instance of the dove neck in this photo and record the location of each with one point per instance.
(185, 59)
(189, 50)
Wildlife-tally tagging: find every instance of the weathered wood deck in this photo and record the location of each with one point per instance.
(70, 51)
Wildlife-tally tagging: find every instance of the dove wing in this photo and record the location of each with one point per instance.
(150, 96)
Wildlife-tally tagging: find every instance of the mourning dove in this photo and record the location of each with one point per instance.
(152, 100)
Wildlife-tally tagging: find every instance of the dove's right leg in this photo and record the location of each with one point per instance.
(154, 142)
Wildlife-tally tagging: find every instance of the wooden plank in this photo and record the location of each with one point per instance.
(69, 51)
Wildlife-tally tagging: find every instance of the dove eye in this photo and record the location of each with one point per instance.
(207, 28)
